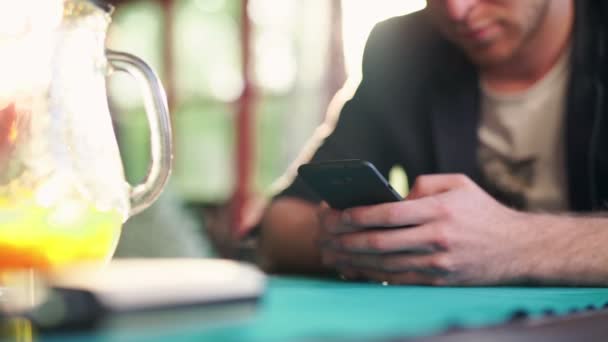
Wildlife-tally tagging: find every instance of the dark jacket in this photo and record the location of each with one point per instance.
(418, 106)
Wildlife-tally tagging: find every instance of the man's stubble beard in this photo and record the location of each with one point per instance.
(534, 20)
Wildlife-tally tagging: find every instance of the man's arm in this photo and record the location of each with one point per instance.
(563, 250)
(571, 250)
(289, 237)
(468, 239)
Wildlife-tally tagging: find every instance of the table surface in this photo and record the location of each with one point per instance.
(305, 309)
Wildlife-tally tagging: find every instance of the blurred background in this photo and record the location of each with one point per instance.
(247, 83)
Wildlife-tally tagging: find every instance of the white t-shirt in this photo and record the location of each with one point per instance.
(521, 136)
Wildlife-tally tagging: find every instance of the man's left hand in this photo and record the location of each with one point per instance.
(447, 232)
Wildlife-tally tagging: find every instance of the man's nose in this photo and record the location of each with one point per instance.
(457, 10)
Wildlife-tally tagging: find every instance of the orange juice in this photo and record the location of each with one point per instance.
(45, 238)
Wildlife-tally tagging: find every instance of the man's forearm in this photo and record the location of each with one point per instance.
(568, 250)
(289, 236)
(552, 249)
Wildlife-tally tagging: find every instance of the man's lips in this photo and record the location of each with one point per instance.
(479, 33)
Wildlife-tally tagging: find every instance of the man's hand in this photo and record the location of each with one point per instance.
(447, 232)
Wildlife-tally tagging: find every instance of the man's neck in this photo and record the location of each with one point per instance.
(538, 55)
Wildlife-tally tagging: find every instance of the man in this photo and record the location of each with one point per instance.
(472, 97)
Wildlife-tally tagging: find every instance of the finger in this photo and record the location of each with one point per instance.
(331, 221)
(328, 257)
(321, 237)
(328, 218)
(423, 238)
(394, 214)
(428, 185)
(433, 264)
(329, 260)
(404, 278)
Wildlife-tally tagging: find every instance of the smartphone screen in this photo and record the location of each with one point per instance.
(348, 183)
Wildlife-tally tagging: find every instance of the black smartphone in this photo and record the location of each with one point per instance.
(348, 183)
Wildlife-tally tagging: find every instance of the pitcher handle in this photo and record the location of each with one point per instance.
(157, 112)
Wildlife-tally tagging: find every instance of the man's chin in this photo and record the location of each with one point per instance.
(488, 56)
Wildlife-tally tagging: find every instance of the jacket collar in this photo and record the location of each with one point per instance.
(582, 113)
(455, 117)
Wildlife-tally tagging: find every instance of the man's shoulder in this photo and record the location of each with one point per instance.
(407, 44)
(411, 25)
(408, 52)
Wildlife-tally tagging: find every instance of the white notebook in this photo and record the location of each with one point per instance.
(153, 293)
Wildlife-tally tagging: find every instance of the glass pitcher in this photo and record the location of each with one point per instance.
(63, 194)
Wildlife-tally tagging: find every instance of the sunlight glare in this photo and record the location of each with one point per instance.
(359, 17)
(26, 41)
